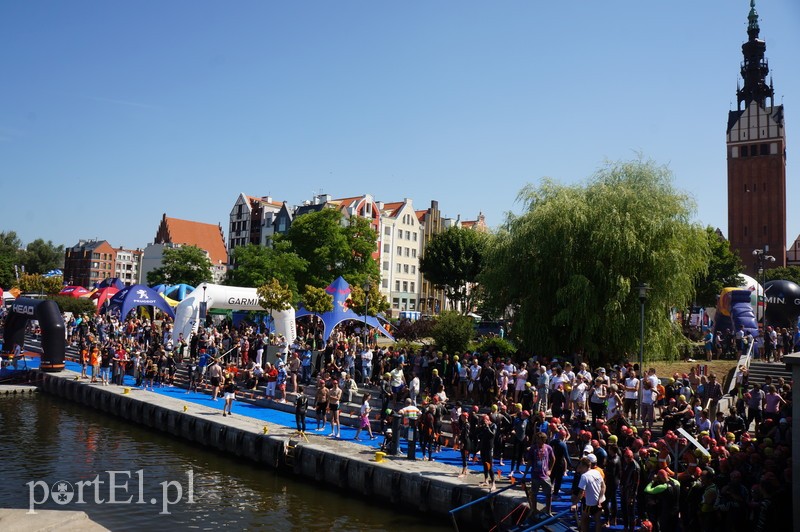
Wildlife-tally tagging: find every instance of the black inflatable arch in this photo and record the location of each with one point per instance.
(51, 323)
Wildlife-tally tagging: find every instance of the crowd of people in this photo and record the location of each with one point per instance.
(644, 450)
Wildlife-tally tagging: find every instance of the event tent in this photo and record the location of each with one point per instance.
(75, 291)
(138, 295)
(102, 295)
(340, 290)
(111, 281)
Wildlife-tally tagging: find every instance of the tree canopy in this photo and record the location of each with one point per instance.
(256, 265)
(41, 257)
(452, 261)
(723, 267)
(571, 263)
(10, 246)
(333, 246)
(274, 296)
(184, 264)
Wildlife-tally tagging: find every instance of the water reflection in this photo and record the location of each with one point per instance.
(47, 439)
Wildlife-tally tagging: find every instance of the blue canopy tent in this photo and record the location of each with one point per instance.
(340, 290)
(138, 295)
(114, 282)
(178, 292)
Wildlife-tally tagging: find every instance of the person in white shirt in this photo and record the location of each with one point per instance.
(577, 396)
(631, 396)
(591, 488)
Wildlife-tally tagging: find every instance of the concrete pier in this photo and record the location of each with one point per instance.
(13, 520)
(430, 487)
(17, 389)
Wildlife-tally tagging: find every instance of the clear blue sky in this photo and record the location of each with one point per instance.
(113, 113)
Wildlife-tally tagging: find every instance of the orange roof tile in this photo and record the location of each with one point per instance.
(205, 236)
(390, 209)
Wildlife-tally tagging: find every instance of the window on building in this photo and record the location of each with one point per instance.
(399, 251)
(765, 149)
(407, 250)
(405, 268)
(408, 235)
(405, 286)
(415, 237)
(399, 268)
(414, 253)
(743, 151)
(412, 304)
(413, 269)
(386, 265)
(387, 248)
(395, 302)
(412, 286)
(397, 286)
(385, 283)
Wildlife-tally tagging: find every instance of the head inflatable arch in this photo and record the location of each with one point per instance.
(187, 313)
(48, 315)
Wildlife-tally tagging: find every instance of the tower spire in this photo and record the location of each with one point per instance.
(754, 67)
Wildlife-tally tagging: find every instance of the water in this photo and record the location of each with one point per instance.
(44, 440)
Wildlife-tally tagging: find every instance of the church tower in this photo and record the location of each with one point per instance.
(756, 145)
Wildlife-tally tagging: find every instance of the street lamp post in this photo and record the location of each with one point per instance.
(643, 288)
(761, 258)
(367, 287)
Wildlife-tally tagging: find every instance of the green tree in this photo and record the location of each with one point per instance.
(570, 264)
(10, 251)
(723, 267)
(452, 261)
(318, 301)
(255, 265)
(377, 301)
(184, 264)
(333, 247)
(274, 296)
(452, 331)
(790, 273)
(39, 284)
(41, 257)
(78, 306)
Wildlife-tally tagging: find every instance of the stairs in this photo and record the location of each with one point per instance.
(759, 370)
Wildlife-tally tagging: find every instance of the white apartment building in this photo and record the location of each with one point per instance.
(401, 241)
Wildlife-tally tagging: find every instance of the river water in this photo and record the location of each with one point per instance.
(59, 455)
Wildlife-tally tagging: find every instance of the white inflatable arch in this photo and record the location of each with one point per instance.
(187, 313)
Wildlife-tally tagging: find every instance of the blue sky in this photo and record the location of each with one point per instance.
(113, 113)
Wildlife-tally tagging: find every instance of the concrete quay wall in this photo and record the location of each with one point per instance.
(409, 485)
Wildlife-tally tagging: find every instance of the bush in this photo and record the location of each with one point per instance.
(496, 346)
(77, 306)
(412, 331)
(452, 332)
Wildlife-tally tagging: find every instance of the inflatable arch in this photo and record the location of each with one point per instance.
(187, 313)
(51, 323)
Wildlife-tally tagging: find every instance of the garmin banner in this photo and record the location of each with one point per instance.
(138, 295)
(51, 323)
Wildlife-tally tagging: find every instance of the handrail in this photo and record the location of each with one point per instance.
(476, 501)
(549, 520)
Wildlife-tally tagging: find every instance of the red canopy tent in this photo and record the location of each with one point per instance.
(104, 294)
(75, 291)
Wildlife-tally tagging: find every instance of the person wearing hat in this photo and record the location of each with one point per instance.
(629, 489)
(519, 439)
(665, 491)
(591, 488)
(562, 461)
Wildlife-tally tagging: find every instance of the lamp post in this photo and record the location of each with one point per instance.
(643, 288)
(367, 286)
(762, 257)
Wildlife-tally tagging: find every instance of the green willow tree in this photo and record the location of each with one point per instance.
(452, 261)
(41, 257)
(571, 263)
(185, 264)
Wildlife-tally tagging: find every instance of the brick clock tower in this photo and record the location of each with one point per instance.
(756, 145)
